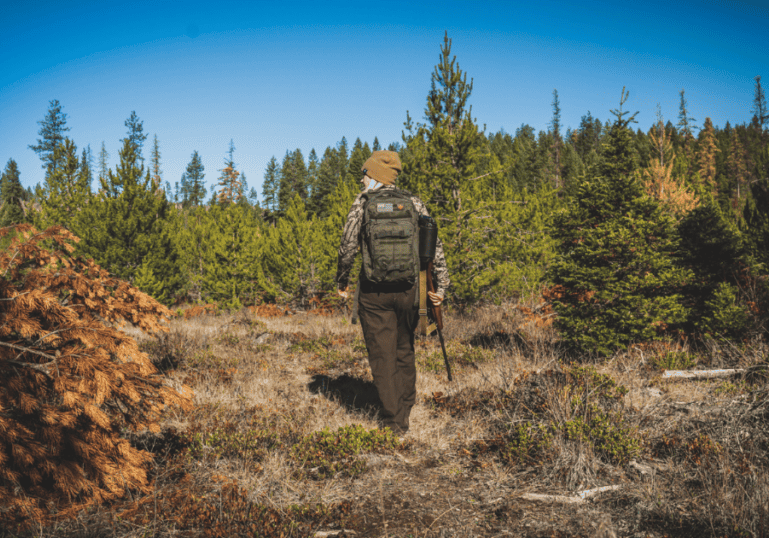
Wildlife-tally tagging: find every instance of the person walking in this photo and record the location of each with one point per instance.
(381, 224)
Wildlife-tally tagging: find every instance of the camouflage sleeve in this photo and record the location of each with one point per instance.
(439, 262)
(349, 245)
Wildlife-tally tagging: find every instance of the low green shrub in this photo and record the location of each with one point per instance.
(327, 453)
(224, 443)
(675, 360)
(460, 355)
(527, 442)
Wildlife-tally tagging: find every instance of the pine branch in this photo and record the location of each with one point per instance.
(492, 172)
(28, 350)
(39, 367)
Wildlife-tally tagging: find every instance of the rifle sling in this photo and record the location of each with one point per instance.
(423, 328)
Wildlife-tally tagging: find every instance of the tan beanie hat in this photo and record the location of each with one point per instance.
(383, 166)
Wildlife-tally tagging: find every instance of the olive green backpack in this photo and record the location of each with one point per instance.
(390, 237)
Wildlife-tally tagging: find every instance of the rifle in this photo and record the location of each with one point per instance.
(437, 316)
(428, 238)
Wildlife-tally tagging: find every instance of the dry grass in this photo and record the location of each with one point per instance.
(691, 456)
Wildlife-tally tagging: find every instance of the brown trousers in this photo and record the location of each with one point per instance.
(389, 318)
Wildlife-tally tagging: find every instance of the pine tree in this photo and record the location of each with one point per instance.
(73, 383)
(360, 153)
(524, 173)
(615, 271)
(657, 178)
(760, 112)
(127, 225)
(686, 130)
(11, 196)
(86, 166)
(230, 188)
(224, 251)
(313, 166)
(619, 158)
(193, 190)
(713, 251)
(755, 225)
(297, 256)
(293, 179)
(52, 129)
(157, 174)
(136, 136)
(441, 155)
(271, 184)
(587, 138)
(331, 172)
(447, 162)
(557, 142)
(737, 170)
(67, 191)
(103, 163)
(375, 146)
(706, 158)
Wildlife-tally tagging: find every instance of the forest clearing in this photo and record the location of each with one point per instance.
(605, 322)
(282, 437)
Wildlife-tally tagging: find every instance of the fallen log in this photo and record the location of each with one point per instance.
(701, 374)
(579, 498)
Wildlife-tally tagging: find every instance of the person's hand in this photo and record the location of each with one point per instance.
(435, 298)
(343, 292)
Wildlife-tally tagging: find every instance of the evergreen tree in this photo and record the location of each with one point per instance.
(375, 146)
(331, 172)
(11, 196)
(293, 179)
(360, 153)
(271, 184)
(126, 226)
(228, 245)
(86, 166)
(706, 158)
(736, 167)
(193, 189)
(230, 188)
(157, 174)
(619, 158)
(557, 142)
(755, 225)
(658, 180)
(686, 130)
(297, 256)
(448, 163)
(136, 136)
(67, 191)
(52, 129)
(524, 173)
(713, 251)
(615, 272)
(103, 163)
(760, 111)
(313, 166)
(442, 155)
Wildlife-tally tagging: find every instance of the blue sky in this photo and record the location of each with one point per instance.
(277, 76)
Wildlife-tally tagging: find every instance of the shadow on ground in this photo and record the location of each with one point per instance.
(353, 393)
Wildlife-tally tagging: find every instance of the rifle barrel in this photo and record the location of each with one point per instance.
(438, 315)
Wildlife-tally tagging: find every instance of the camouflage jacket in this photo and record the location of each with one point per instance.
(352, 240)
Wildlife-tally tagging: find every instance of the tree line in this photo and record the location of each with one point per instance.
(636, 234)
